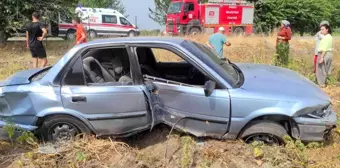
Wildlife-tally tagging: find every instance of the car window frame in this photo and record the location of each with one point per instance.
(58, 81)
(187, 5)
(180, 53)
(69, 69)
(120, 21)
(109, 22)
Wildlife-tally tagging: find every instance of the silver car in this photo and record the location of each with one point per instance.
(121, 86)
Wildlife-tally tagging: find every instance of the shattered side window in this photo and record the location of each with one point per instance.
(162, 55)
(75, 75)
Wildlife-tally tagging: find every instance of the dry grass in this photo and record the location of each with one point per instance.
(148, 149)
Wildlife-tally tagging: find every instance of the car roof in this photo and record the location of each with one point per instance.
(152, 39)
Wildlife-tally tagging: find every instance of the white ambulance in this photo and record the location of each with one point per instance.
(97, 22)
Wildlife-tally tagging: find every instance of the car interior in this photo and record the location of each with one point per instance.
(107, 66)
(111, 66)
(173, 72)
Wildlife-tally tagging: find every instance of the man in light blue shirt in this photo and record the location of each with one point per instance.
(217, 41)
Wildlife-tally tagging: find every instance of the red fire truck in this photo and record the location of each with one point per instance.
(192, 16)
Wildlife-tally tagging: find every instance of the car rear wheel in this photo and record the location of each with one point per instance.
(238, 31)
(70, 35)
(62, 128)
(195, 31)
(269, 132)
(92, 34)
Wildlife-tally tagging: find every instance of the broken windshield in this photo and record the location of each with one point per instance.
(175, 7)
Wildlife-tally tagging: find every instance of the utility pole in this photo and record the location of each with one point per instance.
(136, 21)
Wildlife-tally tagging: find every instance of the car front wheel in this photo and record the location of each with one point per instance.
(269, 132)
(62, 128)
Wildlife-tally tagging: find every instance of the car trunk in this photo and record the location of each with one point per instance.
(22, 78)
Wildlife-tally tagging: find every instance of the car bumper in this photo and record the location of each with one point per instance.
(316, 129)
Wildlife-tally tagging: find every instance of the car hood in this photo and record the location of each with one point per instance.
(279, 81)
(20, 78)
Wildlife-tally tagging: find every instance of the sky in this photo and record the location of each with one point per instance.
(140, 8)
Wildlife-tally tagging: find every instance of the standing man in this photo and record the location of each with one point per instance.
(318, 36)
(80, 33)
(217, 41)
(282, 44)
(35, 33)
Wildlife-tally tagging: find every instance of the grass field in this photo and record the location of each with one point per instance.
(148, 149)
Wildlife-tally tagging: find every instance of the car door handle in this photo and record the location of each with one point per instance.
(79, 99)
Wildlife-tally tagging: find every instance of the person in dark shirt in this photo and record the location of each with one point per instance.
(35, 33)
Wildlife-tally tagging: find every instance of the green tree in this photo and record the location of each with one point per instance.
(304, 15)
(115, 4)
(335, 16)
(159, 13)
(15, 13)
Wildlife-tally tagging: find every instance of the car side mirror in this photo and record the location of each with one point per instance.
(209, 87)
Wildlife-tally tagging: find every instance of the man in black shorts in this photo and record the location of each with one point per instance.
(35, 33)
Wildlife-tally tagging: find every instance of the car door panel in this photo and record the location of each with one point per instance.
(203, 116)
(110, 109)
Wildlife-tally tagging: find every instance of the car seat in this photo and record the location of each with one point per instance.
(96, 72)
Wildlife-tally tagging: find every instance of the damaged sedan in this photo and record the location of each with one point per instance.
(119, 87)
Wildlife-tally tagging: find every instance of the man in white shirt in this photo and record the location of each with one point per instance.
(318, 36)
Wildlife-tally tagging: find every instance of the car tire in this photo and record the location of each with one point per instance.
(70, 35)
(238, 31)
(266, 131)
(92, 34)
(62, 127)
(131, 34)
(195, 31)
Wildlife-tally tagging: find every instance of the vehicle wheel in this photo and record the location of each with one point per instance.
(92, 34)
(131, 34)
(238, 31)
(268, 132)
(62, 128)
(70, 35)
(195, 31)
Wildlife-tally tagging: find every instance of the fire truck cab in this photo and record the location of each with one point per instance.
(192, 16)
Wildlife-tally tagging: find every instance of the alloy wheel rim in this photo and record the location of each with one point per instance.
(63, 132)
(266, 138)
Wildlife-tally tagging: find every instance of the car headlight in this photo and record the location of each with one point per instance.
(327, 110)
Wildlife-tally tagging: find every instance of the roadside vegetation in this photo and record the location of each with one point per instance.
(157, 148)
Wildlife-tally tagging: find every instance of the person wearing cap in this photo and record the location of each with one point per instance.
(217, 41)
(318, 36)
(282, 44)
